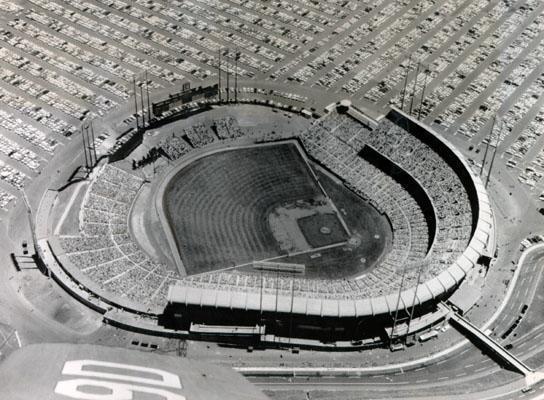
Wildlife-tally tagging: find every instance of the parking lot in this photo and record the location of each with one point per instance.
(455, 64)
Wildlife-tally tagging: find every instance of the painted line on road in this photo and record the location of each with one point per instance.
(512, 284)
(324, 383)
(18, 339)
(75, 193)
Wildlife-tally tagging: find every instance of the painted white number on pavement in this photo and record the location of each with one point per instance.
(91, 387)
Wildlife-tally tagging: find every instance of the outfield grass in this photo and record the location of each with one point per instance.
(218, 206)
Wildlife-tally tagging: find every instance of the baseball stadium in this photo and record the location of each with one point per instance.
(293, 190)
(328, 227)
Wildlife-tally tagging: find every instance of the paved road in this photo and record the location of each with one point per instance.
(463, 372)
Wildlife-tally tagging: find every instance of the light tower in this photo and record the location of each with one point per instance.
(92, 148)
(84, 148)
(219, 73)
(494, 155)
(228, 73)
(425, 72)
(414, 88)
(236, 57)
(135, 103)
(148, 101)
(142, 102)
(406, 82)
(487, 144)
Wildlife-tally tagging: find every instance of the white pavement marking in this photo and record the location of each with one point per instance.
(18, 339)
(326, 383)
(68, 207)
(533, 346)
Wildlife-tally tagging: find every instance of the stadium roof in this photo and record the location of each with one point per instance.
(69, 371)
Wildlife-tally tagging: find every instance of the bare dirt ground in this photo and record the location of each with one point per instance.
(292, 236)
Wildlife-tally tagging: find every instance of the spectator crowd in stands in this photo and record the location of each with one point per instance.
(109, 256)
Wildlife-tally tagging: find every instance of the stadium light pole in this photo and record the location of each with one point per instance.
(148, 101)
(219, 72)
(487, 144)
(291, 309)
(90, 142)
(86, 130)
(406, 81)
(142, 102)
(135, 103)
(420, 267)
(89, 146)
(261, 301)
(491, 166)
(277, 287)
(395, 318)
(422, 92)
(228, 72)
(84, 149)
(414, 88)
(94, 144)
(236, 57)
(494, 155)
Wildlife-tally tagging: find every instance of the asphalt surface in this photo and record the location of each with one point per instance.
(465, 371)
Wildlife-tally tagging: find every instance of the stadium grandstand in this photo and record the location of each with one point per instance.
(436, 209)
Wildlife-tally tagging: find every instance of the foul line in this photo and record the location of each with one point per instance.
(18, 339)
(304, 156)
(296, 253)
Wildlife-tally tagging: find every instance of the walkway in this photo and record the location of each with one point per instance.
(531, 377)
